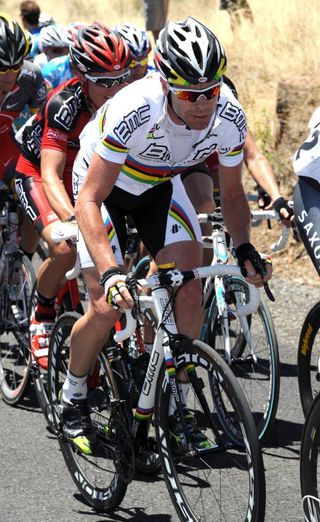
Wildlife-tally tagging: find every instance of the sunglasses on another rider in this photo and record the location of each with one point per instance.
(6, 70)
(193, 95)
(142, 62)
(107, 81)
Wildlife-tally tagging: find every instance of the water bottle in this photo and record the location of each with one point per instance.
(140, 366)
(121, 371)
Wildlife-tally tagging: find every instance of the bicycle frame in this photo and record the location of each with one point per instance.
(219, 246)
(160, 305)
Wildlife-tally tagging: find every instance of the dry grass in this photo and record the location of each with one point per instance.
(281, 42)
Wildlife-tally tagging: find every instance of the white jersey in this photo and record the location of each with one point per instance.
(306, 161)
(135, 131)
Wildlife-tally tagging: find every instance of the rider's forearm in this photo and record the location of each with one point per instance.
(261, 171)
(58, 198)
(236, 215)
(90, 222)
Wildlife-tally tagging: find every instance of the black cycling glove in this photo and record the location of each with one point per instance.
(245, 252)
(264, 199)
(280, 203)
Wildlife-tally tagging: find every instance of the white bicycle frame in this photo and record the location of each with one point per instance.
(221, 257)
(160, 305)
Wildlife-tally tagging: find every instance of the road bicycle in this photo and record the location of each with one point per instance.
(247, 343)
(17, 278)
(309, 463)
(225, 482)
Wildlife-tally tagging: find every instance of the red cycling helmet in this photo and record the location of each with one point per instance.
(98, 49)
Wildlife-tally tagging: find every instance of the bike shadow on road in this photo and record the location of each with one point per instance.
(29, 401)
(286, 437)
(134, 514)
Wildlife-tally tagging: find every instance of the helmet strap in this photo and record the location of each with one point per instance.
(171, 107)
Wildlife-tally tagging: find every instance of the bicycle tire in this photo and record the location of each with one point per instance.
(16, 285)
(191, 478)
(260, 379)
(309, 465)
(308, 357)
(90, 473)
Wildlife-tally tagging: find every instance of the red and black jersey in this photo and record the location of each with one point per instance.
(58, 124)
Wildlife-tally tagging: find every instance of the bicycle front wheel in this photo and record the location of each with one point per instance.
(15, 357)
(309, 462)
(226, 480)
(254, 356)
(309, 358)
(99, 476)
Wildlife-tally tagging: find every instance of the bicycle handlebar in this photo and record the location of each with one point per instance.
(257, 217)
(176, 278)
(67, 231)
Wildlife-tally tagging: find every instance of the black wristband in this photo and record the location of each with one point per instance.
(70, 218)
(115, 270)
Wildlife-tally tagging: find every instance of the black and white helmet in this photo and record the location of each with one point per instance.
(137, 40)
(188, 53)
(54, 35)
(14, 42)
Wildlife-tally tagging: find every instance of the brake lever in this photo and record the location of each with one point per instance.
(268, 292)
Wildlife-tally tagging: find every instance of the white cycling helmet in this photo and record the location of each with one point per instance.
(137, 39)
(188, 53)
(54, 35)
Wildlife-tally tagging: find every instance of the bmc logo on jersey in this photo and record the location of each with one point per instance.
(131, 122)
(236, 115)
(68, 110)
(156, 152)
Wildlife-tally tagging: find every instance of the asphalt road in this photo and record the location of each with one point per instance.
(36, 486)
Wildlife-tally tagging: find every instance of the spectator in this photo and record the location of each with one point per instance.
(155, 15)
(30, 14)
(235, 9)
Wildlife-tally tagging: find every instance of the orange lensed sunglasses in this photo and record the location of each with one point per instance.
(192, 95)
(143, 62)
(6, 70)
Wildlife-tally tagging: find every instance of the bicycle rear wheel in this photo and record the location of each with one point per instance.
(100, 477)
(254, 355)
(309, 462)
(15, 358)
(308, 358)
(225, 482)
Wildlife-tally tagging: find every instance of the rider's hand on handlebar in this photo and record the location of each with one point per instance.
(285, 210)
(256, 270)
(116, 291)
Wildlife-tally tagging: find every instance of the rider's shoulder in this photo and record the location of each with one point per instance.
(29, 71)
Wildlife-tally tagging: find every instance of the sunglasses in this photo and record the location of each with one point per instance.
(142, 62)
(6, 70)
(106, 81)
(192, 96)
